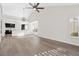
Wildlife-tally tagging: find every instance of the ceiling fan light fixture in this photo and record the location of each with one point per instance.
(34, 8)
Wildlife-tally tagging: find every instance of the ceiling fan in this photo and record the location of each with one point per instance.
(35, 6)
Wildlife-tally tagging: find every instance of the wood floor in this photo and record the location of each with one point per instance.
(32, 45)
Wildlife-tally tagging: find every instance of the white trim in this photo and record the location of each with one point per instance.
(56, 39)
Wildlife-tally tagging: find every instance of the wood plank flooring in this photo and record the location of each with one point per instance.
(32, 45)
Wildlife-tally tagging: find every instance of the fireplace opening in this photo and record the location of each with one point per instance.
(8, 32)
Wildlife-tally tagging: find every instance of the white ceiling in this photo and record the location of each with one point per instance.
(41, 4)
(16, 9)
(57, 4)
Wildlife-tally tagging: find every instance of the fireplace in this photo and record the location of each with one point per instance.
(8, 32)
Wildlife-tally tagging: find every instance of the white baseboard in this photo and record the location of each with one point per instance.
(56, 39)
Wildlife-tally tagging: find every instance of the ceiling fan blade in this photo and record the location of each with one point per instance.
(40, 8)
(36, 5)
(31, 4)
(37, 10)
(28, 8)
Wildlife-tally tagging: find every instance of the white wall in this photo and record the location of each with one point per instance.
(0, 29)
(55, 24)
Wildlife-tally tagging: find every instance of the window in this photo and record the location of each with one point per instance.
(23, 27)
